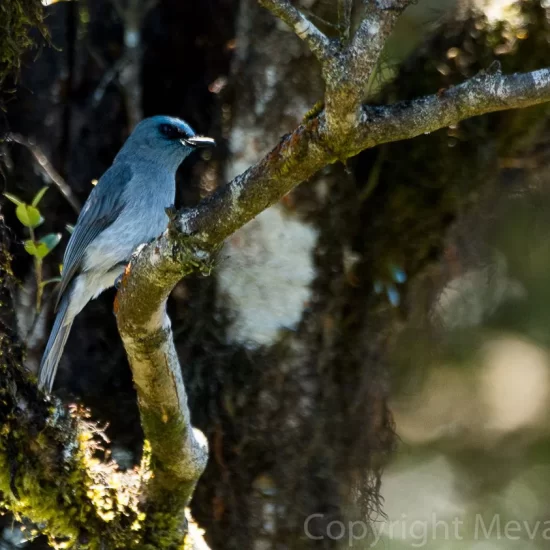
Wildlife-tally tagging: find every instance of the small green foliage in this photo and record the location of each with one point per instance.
(17, 201)
(28, 214)
(30, 217)
(38, 196)
(44, 246)
(30, 247)
(49, 242)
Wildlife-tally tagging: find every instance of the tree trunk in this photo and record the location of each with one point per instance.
(292, 386)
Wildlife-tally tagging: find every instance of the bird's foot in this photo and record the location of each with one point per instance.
(118, 280)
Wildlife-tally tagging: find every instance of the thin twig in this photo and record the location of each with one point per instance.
(37, 274)
(109, 76)
(30, 336)
(344, 18)
(47, 169)
(319, 19)
(320, 45)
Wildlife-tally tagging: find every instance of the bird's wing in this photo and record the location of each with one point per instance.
(101, 209)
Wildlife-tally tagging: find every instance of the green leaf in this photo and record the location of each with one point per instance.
(39, 195)
(16, 200)
(38, 250)
(41, 251)
(30, 247)
(69, 228)
(28, 215)
(44, 246)
(50, 242)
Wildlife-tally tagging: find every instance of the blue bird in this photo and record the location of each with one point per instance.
(125, 209)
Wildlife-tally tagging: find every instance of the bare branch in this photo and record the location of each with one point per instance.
(319, 44)
(301, 154)
(370, 37)
(485, 93)
(344, 18)
(346, 72)
(47, 169)
(181, 451)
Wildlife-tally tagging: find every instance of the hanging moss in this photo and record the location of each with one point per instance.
(18, 19)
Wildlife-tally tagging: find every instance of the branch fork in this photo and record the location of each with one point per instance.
(346, 67)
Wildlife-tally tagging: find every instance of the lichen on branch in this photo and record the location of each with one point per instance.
(51, 472)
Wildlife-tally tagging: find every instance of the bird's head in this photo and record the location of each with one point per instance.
(163, 139)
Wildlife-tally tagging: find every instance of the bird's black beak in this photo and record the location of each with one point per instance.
(199, 141)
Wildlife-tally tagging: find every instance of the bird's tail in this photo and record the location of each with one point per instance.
(54, 347)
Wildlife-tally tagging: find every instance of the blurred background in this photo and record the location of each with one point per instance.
(373, 349)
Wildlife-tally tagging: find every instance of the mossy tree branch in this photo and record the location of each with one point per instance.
(299, 155)
(50, 472)
(195, 234)
(179, 452)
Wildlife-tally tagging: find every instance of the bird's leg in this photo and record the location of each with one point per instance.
(118, 280)
(126, 265)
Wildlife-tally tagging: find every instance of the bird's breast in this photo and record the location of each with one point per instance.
(142, 219)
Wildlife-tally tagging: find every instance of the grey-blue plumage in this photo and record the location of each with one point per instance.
(125, 209)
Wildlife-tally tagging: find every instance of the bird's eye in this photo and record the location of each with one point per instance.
(171, 132)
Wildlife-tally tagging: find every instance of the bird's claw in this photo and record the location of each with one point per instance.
(118, 281)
